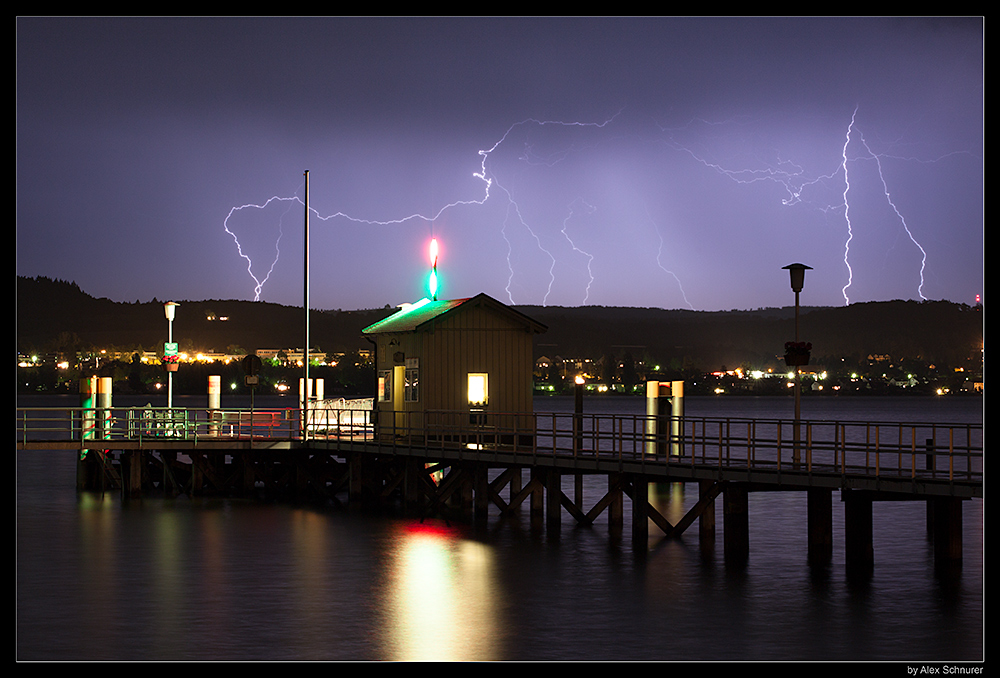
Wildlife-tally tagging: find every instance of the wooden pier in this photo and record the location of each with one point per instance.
(457, 464)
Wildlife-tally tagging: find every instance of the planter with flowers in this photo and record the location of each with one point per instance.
(170, 362)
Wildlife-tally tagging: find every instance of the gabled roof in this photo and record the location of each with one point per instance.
(413, 316)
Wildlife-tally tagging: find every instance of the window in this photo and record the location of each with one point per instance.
(411, 390)
(479, 389)
(385, 385)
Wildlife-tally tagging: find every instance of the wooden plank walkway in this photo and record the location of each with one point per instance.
(450, 459)
(917, 459)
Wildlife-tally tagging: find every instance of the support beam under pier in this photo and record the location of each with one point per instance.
(858, 550)
(616, 507)
(947, 530)
(640, 513)
(736, 524)
(553, 501)
(820, 522)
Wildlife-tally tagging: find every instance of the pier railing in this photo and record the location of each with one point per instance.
(880, 449)
(941, 451)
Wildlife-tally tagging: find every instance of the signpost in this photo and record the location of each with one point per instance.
(251, 368)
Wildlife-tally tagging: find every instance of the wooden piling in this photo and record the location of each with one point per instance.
(820, 526)
(858, 551)
(553, 502)
(736, 524)
(356, 482)
(133, 487)
(481, 491)
(640, 513)
(947, 513)
(706, 521)
(515, 488)
(616, 508)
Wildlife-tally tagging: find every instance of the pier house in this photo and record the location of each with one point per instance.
(469, 355)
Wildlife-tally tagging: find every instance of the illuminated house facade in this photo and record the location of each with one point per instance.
(471, 358)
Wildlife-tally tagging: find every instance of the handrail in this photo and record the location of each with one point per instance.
(879, 449)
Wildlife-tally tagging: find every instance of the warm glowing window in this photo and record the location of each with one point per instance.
(478, 389)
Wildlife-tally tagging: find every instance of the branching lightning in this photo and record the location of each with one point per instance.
(902, 220)
(847, 211)
(259, 284)
(590, 209)
(659, 262)
(490, 178)
(798, 187)
(484, 174)
(792, 177)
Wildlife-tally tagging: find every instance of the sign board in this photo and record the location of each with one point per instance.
(170, 348)
(251, 365)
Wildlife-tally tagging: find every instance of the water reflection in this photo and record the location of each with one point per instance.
(440, 599)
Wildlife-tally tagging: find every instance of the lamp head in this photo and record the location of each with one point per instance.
(798, 275)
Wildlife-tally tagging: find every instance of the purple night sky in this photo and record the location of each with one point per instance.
(674, 163)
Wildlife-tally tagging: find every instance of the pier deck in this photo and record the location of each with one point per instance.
(435, 458)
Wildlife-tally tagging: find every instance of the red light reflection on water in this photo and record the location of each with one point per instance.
(432, 528)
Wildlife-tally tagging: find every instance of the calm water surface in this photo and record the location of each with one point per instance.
(209, 579)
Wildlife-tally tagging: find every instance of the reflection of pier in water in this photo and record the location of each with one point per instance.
(442, 462)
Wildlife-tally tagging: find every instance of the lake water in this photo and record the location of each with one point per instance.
(225, 579)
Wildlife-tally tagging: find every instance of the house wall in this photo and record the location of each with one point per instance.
(475, 338)
(478, 340)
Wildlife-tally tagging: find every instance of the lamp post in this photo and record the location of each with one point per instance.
(797, 272)
(304, 397)
(170, 349)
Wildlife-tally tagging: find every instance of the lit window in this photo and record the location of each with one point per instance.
(478, 389)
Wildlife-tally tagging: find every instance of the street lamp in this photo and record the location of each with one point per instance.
(304, 395)
(170, 348)
(797, 273)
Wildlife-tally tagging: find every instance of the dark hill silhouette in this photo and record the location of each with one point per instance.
(49, 308)
(936, 331)
(942, 332)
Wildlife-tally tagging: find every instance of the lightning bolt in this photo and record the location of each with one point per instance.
(795, 182)
(484, 174)
(521, 224)
(590, 209)
(847, 211)
(490, 178)
(902, 220)
(659, 254)
(786, 173)
(513, 207)
(259, 284)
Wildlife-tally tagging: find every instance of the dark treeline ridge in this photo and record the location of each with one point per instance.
(49, 309)
(941, 332)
